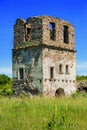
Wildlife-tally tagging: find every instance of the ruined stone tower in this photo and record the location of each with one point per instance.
(43, 56)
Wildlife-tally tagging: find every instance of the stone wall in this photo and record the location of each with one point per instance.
(67, 81)
(41, 45)
(40, 32)
(59, 24)
(30, 60)
(20, 32)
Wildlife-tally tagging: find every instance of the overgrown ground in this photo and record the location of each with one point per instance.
(41, 113)
(38, 113)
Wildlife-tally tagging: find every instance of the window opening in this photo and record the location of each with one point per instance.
(67, 69)
(66, 34)
(21, 73)
(28, 30)
(51, 72)
(52, 31)
(60, 68)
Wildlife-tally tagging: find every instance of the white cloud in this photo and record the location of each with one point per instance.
(6, 70)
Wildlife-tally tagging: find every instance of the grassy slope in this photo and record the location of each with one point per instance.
(43, 113)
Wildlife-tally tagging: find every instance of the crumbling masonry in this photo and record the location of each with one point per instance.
(44, 58)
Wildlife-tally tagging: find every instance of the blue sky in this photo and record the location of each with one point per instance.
(74, 11)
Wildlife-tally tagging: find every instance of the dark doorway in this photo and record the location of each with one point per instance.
(59, 92)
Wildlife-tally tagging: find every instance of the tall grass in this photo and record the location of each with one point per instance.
(41, 113)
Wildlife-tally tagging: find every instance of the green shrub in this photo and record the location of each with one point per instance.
(5, 85)
(80, 78)
(4, 79)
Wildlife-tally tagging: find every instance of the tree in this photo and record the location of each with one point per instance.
(4, 79)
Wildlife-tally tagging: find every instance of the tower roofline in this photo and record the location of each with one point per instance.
(48, 17)
(20, 20)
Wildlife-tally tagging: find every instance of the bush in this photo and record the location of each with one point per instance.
(80, 78)
(4, 79)
(5, 85)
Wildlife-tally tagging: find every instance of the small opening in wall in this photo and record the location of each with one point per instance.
(60, 68)
(66, 34)
(67, 69)
(51, 72)
(28, 30)
(21, 73)
(66, 81)
(40, 80)
(52, 31)
(62, 80)
(73, 81)
(45, 80)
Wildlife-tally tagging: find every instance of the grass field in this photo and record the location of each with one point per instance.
(41, 113)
